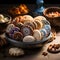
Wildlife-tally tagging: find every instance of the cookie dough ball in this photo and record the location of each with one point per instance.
(18, 36)
(27, 30)
(27, 18)
(37, 35)
(11, 26)
(28, 39)
(16, 52)
(39, 24)
(40, 18)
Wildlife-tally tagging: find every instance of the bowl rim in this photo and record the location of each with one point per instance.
(44, 12)
(28, 43)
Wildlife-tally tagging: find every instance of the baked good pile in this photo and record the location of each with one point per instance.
(28, 29)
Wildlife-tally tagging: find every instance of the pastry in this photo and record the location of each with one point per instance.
(29, 23)
(16, 51)
(11, 26)
(27, 18)
(39, 24)
(45, 22)
(11, 32)
(28, 39)
(17, 20)
(40, 18)
(44, 33)
(37, 35)
(48, 28)
(19, 24)
(26, 30)
(18, 36)
(35, 24)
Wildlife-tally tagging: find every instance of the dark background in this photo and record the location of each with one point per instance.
(28, 1)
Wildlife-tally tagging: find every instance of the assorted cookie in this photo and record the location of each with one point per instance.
(16, 52)
(25, 27)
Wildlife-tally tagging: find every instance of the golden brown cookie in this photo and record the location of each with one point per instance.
(39, 24)
(40, 18)
(27, 18)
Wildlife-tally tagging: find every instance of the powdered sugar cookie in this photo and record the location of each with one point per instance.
(28, 39)
(37, 35)
(16, 52)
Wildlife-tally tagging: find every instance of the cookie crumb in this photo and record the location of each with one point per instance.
(44, 53)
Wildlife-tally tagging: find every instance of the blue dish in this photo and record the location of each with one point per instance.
(26, 44)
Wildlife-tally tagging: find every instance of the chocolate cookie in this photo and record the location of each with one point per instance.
(27, 30)
(18, 36)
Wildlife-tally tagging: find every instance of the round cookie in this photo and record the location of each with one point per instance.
(35, 24)
(45, 22)
(39, 24)
(16, 52)
(29, 23)
(44, 33)
(17, 19)
(20, 25)
(37, 35)
(18, 36)
(40, 18)
(27, 30)
(28, 39)
(27, 18)
(11, 26)
(11, 32)
(48, 28)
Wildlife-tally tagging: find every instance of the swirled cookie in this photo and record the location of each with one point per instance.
(26, 30)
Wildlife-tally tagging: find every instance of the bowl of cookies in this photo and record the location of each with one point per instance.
(26, 31)
(4, 21)
(53, 15)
